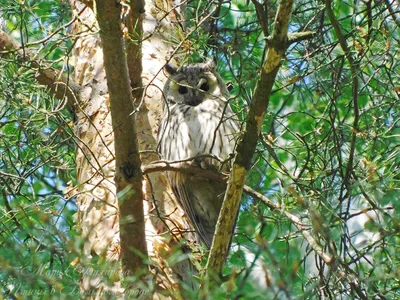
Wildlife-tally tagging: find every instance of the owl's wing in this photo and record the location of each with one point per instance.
(201, 199)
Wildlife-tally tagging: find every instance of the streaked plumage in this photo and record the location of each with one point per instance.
(198, 120)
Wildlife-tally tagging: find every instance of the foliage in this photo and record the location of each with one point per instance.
(326, 154)
(36, 163)
(304, 159)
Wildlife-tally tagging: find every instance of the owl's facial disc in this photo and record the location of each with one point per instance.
(183, 90)
(193, 89)
(193, 96)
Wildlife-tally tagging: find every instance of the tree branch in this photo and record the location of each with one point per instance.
(128, 174)
(299, 36)
(162, 166)
(60, 85)
(247, 144)
(294, 37)
(389, 6)
(262, 16)
(134, 48)
(296, 222)
(354, 70)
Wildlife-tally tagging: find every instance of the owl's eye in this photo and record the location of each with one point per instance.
(205, 87)
(183, 90)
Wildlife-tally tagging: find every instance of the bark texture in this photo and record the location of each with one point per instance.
(248, 142)
(98, 210)
(128, 173)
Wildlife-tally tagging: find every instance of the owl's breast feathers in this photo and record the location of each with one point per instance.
(190, 131)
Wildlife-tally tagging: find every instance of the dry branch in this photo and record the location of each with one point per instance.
(163, 166)
(60, 85)
(296, 222)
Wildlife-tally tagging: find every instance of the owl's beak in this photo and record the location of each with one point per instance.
(195, 100)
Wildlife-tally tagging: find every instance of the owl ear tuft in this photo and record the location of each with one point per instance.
(210, 63)
(171, 70)
(229, 85)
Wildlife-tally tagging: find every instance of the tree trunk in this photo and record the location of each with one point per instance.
(98, 209)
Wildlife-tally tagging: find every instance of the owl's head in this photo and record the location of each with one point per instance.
(193, 84)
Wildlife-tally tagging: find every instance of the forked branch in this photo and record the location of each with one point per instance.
(247, 144)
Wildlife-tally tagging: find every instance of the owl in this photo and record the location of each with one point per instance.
(199, 128)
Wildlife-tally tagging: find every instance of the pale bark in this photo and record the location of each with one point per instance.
(98, 211)
(165, 223)
(97, 216)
